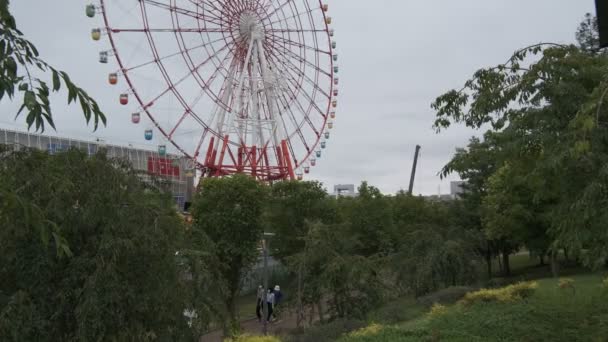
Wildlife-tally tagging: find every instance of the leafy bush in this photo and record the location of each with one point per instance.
(437, 310)
(248, 338)
(370, 330)
(507, 294)
(565, 283)
(88, 252)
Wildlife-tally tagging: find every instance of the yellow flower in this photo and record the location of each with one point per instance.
(565, 283)
(371, 330)
(502, 295)
(437, 310)
(248, 338)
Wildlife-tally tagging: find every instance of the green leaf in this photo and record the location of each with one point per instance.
(29, 98)
(23, 87)
(56, 81)
(11, 67)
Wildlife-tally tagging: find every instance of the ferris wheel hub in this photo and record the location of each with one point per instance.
(251, 27)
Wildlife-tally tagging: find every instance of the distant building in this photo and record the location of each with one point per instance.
(173, 172)
(439, 198)
(344, 190)
(456, 188)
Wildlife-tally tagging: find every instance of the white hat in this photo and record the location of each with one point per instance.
(277, 288)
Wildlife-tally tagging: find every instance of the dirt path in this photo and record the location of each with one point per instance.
(253, 327)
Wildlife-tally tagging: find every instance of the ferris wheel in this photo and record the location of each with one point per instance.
(237, 86)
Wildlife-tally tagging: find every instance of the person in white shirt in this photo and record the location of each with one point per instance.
(270, 302)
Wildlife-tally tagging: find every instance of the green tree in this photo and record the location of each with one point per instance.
(369, 218)
(291, 205)
(433, 250)
(475, 165)
(332, 270)
(546, 104)
(20, 62)
(228, 225)
(115, 276)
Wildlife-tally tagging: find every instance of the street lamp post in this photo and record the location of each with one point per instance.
(266, 305)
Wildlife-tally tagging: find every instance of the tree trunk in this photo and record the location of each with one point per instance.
(231, 327)
(300, 310)
(312, 315)
(489, 263)
(566, 254)
(554, 264)
(500, 268)
(506, 264)
(320, 309)
(541, 259)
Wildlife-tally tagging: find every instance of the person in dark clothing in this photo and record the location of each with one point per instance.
(278, 298)
(259, 303)
(278, 295)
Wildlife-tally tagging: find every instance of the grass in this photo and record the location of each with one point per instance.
(551, 313)
(539, 318)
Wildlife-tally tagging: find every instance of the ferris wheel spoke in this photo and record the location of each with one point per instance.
(182, 11)
(277, 9)
(305, 115)
(295, 69)
(304, 111)
(207, 83)
(190, 73)
(297, 31)
(308, 97)
(285, 103)
(187, 112)
(215, 10)
(307, 62)
(172, 55)
(171, 30)
(298, 44)
(297, 15)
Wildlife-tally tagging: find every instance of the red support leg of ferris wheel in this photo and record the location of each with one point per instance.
(287, 160)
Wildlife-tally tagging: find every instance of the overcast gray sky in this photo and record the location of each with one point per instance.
(396, 56)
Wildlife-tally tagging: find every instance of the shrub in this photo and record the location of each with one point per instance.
(370, 330)
(249, 338)
(437, 310)
(565, 283)
(605, 283)
(502, 295)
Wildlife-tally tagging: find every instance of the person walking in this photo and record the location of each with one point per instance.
(270, 302)
(259, 303)
(278, 298)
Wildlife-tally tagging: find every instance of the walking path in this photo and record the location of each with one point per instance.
(253, 327)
